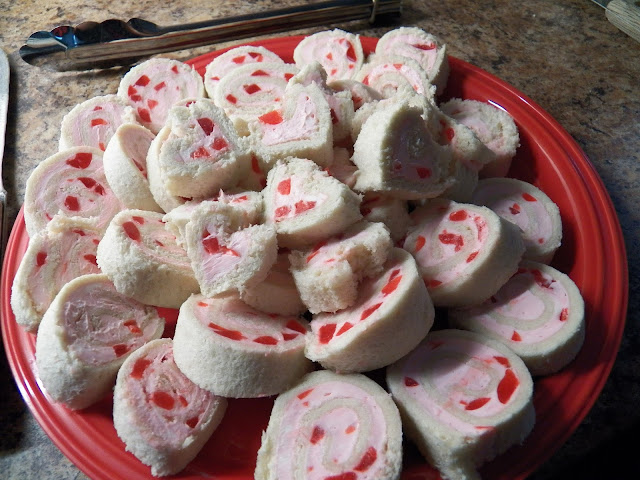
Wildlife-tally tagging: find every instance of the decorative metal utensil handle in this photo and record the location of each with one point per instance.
(114, 42)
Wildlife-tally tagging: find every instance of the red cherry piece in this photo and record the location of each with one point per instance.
(206, 124)
(271, 118)
(326, 332)
(72, 203)
(477, 403)
(367, 460)
(80, 160)
(507, 386)
(266, 340)
(41, 258)
(458, 216)
(139, 367)
(368, 311)
(451, 239)
(284, 187)
(316, 435)
(163, 400)
(132, 231)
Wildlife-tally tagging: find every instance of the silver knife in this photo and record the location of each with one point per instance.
(4, 102)
(92, 45)
(624, 14)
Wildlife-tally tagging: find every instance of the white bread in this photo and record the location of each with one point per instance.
(66, 249)
(493, 126)
(93, 122)
(125, 166)
(423, 47)
(236, 351)
(302, 128)
(538, 313)
(163, 418)
(155, 85)
(227, 254)
(144, 261)
(340, 103)
(251, 90)
(155, 176)
(464, 399)
(525, 205)
(249, 205)
(393, 212)
(338, 426)
(340, 53)
(277, 293)
(360, 93)
(328, 274)
(306, 205)
(70, 183)
(392, 314)
(464, 252)
(85, 335)
(391, 75)
(396, 155)
(202, 153)
(232, 59)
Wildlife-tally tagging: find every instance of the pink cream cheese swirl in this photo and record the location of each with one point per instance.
(334, 430)
(449, 240)
(146, 230)
(102, 325)
(71, 183)
(237, 322)
(461, 383)
(166, 402)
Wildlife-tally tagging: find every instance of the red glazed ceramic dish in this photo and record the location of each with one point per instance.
(592, 254)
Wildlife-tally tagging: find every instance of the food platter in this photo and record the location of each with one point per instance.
(592, 254)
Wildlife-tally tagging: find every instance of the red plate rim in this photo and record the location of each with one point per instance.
(562, 400)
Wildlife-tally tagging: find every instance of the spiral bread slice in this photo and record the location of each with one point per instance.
(340, 103)
(306, 205)
(125, 166)
(155, 85)
(392, 314)
(234, 350)
(332, 426)
(464, 252)
(396, 155)
(144, 261)
(232, 59)
(493, 126)
(464, 399)
(393, 212)
(66, 249)
(201, 154)
(529, 208)
(423, 47)
(249, 206)
(277, 293)
(340, 53)
(93, 122)
(327, 275)
(163, 418)
(303, 128)
(227, 254)
(393, 75)
(538, 313)
(70, 183)
(85, 336)
(251, 90)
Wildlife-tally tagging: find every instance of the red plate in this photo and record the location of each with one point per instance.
(592, 254)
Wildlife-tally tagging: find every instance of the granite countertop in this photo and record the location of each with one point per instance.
(564, 55)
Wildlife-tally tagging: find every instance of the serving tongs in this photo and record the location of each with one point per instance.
(93, 45)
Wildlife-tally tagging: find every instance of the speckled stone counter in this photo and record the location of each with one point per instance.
(564, 55)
